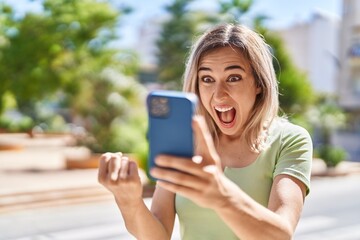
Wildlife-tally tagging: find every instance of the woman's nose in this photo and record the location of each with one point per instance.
(220, 92)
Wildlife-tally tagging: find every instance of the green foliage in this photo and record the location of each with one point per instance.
(326, 116)
(234, 10)
(61, 56)
(174, 43)
(54, 50)
(8, 101)
(23, 124)
(113, 111)
(331, 155)
(296, 92)
(131, 138)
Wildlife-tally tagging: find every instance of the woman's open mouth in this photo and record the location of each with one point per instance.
(226, 115)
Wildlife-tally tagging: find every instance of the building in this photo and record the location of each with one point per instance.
(349, 78)
(328, 50)
(313, 46)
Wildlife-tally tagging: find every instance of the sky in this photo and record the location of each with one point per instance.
(282, 13)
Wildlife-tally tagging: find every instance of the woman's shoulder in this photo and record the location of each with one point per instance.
(282, 129)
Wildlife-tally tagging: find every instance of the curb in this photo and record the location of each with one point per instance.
(30, 200)
(52, 198)
(345, 168)
(27, 190)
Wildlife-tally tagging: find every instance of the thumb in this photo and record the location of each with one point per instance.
(205, 144)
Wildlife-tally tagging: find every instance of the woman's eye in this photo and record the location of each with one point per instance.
(234, 78)
(207, 79)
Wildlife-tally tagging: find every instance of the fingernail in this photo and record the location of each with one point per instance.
(197, 159)
(159, 159)
(106, 156)
(113, 176)
(152, 171)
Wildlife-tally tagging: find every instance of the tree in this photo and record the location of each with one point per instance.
(54, 50)
(174, 43)
(296, 92)
(234, 10)
(113, 113)
(6, 30)
(63, 54)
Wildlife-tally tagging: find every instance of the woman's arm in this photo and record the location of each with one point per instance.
(157, 224)
(250, 220)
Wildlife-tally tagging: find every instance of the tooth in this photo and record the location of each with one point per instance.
(223, 109)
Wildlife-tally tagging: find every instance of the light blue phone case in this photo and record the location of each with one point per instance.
(170, 117)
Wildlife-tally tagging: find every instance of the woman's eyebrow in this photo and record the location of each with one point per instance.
(204, 69)
(226, 69)
(234, 67)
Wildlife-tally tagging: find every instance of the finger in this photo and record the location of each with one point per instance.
(133, 170)
(103, 167)
(170, 187)
(124, 168)
(114, 166)
(179, 178)
(186, 192)
(205, 143)
(181, 164)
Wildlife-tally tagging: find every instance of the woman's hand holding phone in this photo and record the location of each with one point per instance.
(200, 178)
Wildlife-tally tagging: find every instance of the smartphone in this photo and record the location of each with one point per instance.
(170, 131)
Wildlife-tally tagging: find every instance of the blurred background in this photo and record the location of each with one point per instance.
(74, 76)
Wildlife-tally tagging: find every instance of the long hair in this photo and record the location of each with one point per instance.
(258, 53)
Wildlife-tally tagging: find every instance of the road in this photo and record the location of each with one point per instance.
(332, 211)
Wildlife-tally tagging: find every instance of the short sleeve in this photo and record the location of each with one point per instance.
(295, 155)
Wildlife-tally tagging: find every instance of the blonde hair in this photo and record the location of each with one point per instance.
(257, 52)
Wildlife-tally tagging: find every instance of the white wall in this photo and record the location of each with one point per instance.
(348, 91)
(313, 45)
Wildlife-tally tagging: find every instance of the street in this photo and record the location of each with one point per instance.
(331, 211)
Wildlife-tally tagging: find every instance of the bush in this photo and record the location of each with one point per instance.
(22, 124)
(331, 155)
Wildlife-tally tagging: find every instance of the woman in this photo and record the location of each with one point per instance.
(252, 169)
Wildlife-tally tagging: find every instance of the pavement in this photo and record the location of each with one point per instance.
(34, 173)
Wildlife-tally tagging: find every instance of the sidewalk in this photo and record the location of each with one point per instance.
(35, 175)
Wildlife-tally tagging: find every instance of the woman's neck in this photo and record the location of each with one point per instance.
(235, 152)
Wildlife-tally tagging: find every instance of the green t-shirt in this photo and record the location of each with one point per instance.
(289, 152)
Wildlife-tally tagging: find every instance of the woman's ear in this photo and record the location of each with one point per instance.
(258, 90)
(257, 83)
